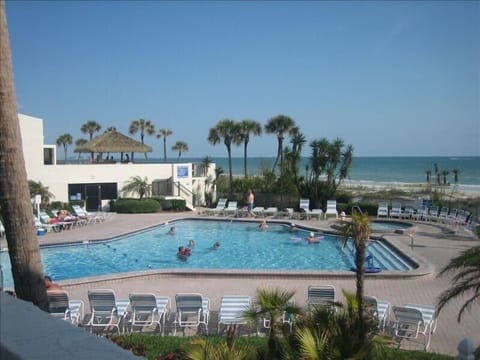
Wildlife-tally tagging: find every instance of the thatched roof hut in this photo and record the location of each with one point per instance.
(113, 142)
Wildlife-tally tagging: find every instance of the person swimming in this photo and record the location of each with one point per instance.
(191, 243)
(263, 225)
(312, 239)
(171, 231)
(183, 252)
(215, 246)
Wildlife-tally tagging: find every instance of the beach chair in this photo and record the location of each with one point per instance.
(232, 308)
(412, 320)
(105, 314)
(218, 210)
(191, 311)
(408, 212)
(443, 215)
(231, 209)
(432, 213)
(382, 210)
(396, 210)
(287, 317)
(378, 309)
(421, 214)
(60, 305)
(146, 312)
(271, 211)
(304, 207)
(331, 209)
(258, 211)
(321, 297)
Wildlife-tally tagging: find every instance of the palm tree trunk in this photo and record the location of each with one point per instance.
(229, 150)
(279, 151)
(360, 259)
(164, 149)
(27, 269)
(245, 145)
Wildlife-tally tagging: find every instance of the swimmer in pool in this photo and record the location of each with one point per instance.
(215, 246)
(312, 239)
(171, 231)
(263, 226)
(191, 244)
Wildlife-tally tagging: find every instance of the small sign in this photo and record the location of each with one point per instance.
(182, 172)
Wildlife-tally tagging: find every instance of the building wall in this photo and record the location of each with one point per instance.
(58, 176)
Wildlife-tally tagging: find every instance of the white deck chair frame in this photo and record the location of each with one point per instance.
(61, 306)
(146, 311)
(192, 310)
(382, 210)
(412, 320)
(321, 296)
(379, 309)
(104, 311)
(331, 209)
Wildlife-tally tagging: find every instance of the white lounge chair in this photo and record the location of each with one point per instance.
(105, 313)
(232, 308)
(408, 212)
(432, 213)
(382, 210)
(60, 305)
(379, 309)
(191, 311)
(258, 211)
(147, 310)
(331, 209)
(271, 211)
(304, 207)
(231, 209)
(412, 320)
(396, 210)
(218, 210)
(321, 297)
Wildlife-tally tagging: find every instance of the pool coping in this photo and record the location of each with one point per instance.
(424, 268)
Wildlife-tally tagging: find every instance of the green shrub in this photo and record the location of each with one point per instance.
(172, 204)
(136, 206)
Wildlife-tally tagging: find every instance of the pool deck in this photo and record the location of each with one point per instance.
(434, 245)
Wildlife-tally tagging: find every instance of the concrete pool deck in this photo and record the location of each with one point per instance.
(433, 247)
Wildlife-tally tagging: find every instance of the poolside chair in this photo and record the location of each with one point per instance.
(421, 214)
(258, 211)
(287, 318)
(304, 207)
(408, 212)
(331, 209)
(231, 209)
(145, 311)
(432, 213)
(412, 320)
(378, 309)
(105, 313)
(192, 310)
(321, 297)
(382, 210)
(218, 210)
(232, 308)
(60, 305)
(443, 215)
(396, 210)
(271, 211)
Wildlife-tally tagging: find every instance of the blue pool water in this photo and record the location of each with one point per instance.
(242, 246)
(389, 225)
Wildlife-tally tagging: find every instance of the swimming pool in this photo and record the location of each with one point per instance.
(242, 246)
(389, 225)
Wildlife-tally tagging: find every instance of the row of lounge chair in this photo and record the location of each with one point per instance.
(424, 213)
(79, 218)
(230, 208)
(192, 310)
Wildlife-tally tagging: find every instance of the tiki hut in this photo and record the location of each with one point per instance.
(113, 142)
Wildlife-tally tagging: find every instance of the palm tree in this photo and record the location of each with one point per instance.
(80, 142)
(144, 126)
(245, 129)
(359, 230)
(181, 147)
(90, 127)
(297, 141)
(111, 128)
(465, 282)
(15, 205)
(65, 140)
(165, 133)
(37, 188)
(270, 305)
(206, 162)
(225, 129)
(138, 185)
(280, 125)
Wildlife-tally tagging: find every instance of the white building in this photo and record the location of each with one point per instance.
(97, 183)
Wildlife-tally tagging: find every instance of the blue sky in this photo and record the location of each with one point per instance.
(391, 78)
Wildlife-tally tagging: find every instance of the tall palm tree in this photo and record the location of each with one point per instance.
(65, 140)
(298, 140)
(466, 281)
(226, 130)
(246, 128)
(206, 162)
(164, 133)
(80, 142)
(15, 205)
(138, 185)
(144, 126)
(90, 127)
(181, 147)
(358, 229)
(280, 125)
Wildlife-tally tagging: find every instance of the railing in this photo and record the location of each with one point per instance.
(185, 193)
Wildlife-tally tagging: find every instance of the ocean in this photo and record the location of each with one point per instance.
(376, 169)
